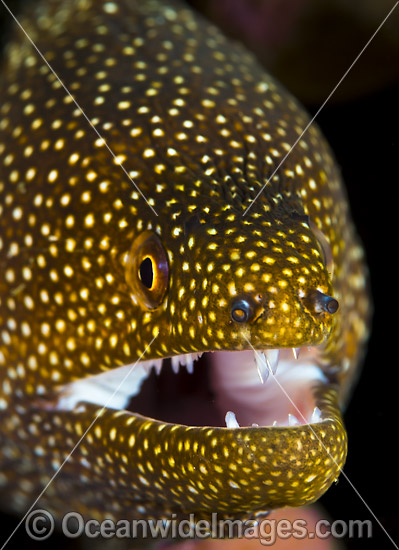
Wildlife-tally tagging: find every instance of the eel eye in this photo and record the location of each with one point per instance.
(147, 271)
(241, 310)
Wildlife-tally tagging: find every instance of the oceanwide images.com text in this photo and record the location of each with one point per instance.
(40, 525)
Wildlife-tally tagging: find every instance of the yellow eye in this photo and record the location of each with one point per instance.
(147, 270)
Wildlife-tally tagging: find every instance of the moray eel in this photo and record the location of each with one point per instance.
(155, 215)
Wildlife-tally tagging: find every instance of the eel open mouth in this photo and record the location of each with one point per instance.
(237, 432)
(274, 387)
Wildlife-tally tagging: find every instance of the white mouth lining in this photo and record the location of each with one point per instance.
(265, 388)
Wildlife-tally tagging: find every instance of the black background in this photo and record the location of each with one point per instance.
(363, 132)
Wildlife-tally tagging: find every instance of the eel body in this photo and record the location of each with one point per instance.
(130, 234)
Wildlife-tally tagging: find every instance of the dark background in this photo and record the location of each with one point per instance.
(361, 123)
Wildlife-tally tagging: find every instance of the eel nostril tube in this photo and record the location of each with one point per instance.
(241, 310)
(324, 303)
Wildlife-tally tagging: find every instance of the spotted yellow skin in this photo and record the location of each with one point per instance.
(200, 128)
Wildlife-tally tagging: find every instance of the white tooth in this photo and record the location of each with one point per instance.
(316, 416)
(295, 352)
(175, 364)
(160, 363)
(292, 420)
(146, 366)
(190, 364)
(231, 421)
(272, 357)
(158, 366)
(255, 425)
(261, 365)
(274, 423)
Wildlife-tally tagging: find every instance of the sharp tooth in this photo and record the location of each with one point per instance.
(189, 364)
(158, 367)
(261, 365)
(186, 360)
(147, 366)
(274, 423)
(272, 357)
(295, 352)
(316, 416)
(231, 421)
(292, 420)
(175, 364)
